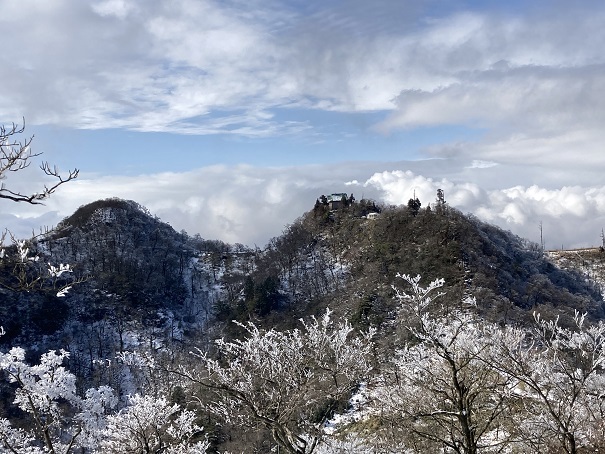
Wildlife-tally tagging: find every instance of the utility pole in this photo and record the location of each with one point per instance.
(541, 237)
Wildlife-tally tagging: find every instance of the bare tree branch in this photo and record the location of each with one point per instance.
(16, 155)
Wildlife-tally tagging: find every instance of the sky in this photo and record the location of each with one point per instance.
(230, 118)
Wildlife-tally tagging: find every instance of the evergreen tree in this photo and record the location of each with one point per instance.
(414, 206)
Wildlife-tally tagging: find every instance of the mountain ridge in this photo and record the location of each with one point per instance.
(137, 265)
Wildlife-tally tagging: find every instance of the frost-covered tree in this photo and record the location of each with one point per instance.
(464, 385)
(152, 425)
(441, 394)
(22, 270)
(27, 272)
(561, 377)
(63, 422)
(61, 419)
(287, 381)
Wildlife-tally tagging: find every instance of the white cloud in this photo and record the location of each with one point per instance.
(397, 187)
(117, 8)
(142, 65)
(479, 164)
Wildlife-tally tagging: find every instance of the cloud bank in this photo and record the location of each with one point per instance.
(249, 205)
(571, 216)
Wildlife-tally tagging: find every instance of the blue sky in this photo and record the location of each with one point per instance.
(228, 118)
(337, 137)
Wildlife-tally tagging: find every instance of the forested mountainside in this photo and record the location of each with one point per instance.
(131, 267)
(135, 268)
(590, 262)
(138, 287)
(343, 259)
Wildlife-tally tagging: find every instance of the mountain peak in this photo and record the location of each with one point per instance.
(104, 210)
